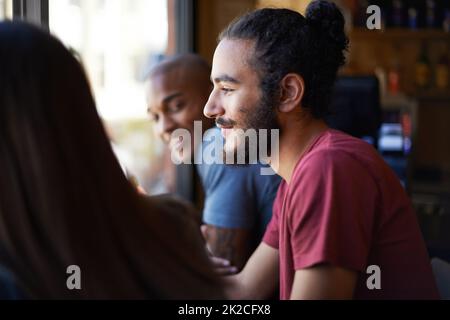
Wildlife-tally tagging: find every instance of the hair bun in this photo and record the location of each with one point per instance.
(327, 17)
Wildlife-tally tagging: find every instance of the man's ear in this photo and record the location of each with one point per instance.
(292, 91)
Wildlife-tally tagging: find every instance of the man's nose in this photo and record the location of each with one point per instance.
(213, 108)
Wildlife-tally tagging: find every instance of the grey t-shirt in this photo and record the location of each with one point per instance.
(237, 196)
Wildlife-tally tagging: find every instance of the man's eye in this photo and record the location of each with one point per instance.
(227, 90)
(154, 117)
(176, 107)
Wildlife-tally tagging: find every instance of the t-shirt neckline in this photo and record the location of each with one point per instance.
(308, 149)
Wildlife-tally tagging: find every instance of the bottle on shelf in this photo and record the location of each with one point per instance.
(431, 14)
(360, 12)
(423, 69)
(442, 75)
(393, 81)
(446, 22)
(413, 18)
(380, 73)
(398, 13)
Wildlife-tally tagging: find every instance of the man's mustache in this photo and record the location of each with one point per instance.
(225, 122)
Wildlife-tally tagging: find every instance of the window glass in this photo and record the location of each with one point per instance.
(5, 9)
(117, 42)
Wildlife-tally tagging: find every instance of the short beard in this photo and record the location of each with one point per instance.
(262, 118)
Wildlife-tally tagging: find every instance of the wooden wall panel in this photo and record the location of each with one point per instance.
(212, 17)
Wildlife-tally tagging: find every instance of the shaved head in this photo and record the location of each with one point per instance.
(186, 66)
(178, 89)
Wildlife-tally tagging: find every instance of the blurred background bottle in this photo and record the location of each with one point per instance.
(423, 69)
(398, 13)
(431, 14)
(442, 74)
(446, 22)
(394, 86)
(413, 17)
(359, 9)
(380, 73)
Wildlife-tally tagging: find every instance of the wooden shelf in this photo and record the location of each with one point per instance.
(432, 94)
(397, 34)
(401, 99)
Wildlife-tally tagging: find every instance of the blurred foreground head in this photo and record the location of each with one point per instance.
(64, 199)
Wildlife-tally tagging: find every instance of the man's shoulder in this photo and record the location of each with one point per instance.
(339, 155)
(338, 149)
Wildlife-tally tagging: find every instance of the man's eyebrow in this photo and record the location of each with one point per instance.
(225, 78)
(169, 98)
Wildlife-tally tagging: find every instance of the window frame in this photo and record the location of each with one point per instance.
(33, 11)
(184, 21)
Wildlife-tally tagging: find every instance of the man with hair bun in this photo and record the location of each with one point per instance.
(340, 210)
(238, 199)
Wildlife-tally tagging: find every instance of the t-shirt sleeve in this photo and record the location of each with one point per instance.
(272, 235)
(229, 198)
(331, 212)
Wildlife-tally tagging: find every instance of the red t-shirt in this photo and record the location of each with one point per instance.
(345, 207)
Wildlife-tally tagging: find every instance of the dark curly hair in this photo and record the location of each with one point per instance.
(287, 42)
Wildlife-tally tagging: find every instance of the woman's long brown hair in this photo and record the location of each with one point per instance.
(64, 199)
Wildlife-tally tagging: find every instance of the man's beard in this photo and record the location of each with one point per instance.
(261, 117)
